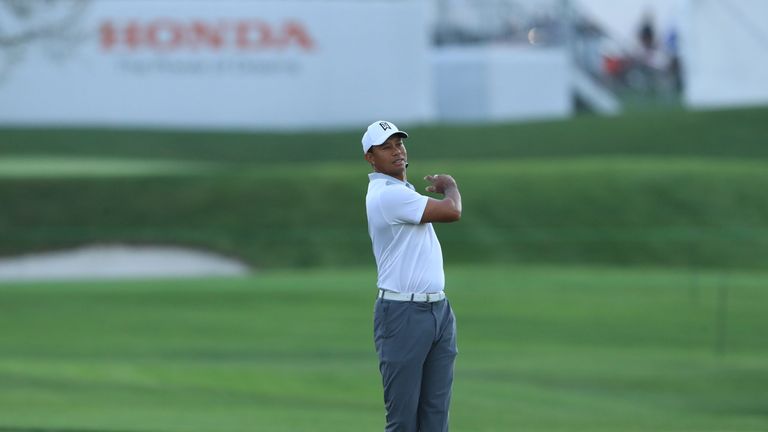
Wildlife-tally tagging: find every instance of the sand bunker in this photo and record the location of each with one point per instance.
(118, 262)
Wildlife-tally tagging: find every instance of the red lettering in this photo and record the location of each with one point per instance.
(295, 32)
(211, 36)
(167, 35)
(108, 35)
(133, 35)
(253, 35)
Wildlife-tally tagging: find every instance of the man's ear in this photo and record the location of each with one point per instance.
(368, 157)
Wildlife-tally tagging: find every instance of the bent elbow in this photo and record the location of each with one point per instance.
(455, 215)
(455, 211)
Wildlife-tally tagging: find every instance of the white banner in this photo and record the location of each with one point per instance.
(502, 83)
(213, 64)
(726, 53)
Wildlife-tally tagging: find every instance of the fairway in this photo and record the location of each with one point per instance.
(541, 349)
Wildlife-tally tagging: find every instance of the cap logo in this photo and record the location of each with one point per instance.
(385, 125)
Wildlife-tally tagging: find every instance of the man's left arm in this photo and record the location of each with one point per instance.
(447, 209)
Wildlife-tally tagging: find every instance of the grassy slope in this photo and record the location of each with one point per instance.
(541, 349)
(735, 133)
(612, 210)
(676, 189)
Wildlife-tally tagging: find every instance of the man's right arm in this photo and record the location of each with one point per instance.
(447, 209)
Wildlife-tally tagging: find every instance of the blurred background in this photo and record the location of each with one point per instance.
(183, 239)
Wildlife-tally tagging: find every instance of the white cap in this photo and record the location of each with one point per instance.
(378, 132)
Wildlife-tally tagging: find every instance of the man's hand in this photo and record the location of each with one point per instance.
(439, 183)
(447, 209)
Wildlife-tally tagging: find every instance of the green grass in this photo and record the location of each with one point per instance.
(621, 210)
(716, 134)
(670, 189)
(541, 349)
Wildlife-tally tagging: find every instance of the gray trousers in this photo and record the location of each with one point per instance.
(416, 344)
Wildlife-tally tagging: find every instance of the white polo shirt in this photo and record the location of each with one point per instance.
(408, 254)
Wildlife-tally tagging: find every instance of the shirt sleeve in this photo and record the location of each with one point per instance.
(401, 205)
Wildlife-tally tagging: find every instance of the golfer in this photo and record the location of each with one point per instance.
(414, 327)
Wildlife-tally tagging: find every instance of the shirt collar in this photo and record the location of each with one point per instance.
(379, 176)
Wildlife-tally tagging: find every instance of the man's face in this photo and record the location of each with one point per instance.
(389, 158)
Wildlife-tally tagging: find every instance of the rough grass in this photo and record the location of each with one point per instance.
(665, 211)
(717, 134)
(679, 188)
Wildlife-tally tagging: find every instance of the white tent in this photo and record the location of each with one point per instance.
(726, 53)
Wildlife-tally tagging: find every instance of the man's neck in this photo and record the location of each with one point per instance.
(403, 178)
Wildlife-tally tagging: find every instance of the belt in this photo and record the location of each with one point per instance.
(423, 298)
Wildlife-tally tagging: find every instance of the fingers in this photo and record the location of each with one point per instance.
(439, 182)
(433, 178)
(436, 180)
